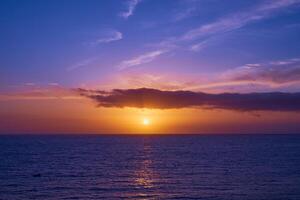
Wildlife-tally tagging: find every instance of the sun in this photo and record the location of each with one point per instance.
(146, 121)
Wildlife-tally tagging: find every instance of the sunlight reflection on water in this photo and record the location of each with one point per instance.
(144, 175)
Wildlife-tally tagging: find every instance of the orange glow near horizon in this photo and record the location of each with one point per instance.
(82, 116)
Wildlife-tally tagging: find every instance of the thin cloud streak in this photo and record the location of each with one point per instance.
(130, 9)
(109, 36)
(199, 46)
(81, 64)
(142, 59)
(280, 75)
(279, 72)
(51, 92)
(188, 12)
(238, 20)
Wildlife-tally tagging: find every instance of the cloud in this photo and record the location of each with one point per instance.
(205, 33)
(130, 79)
(51, 92)
(82, 63)
(158, 99)
(186, 13)
(199, 46)
(131, 5)
(274, 73)
(187, 9)
(238, 20)
(107, 37)
(142, 59)
(280, 75)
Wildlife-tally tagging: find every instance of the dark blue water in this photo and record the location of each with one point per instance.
(150, 167)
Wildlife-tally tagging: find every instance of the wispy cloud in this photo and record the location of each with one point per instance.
(107, 36)
(282, 75)
(142, 59)
(272, 73)
(131, 5)
(199, 46)
(238, 20)
(187, 9)
(51, 92)
(81, 64)
(133, 79)
(205, 33)
(188, 12)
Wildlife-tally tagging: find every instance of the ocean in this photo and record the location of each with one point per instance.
(210, 167)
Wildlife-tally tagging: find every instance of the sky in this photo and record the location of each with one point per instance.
(185, 66)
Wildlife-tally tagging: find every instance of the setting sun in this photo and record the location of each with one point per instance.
(146, 121)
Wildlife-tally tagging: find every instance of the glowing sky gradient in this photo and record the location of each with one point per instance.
(83, 66)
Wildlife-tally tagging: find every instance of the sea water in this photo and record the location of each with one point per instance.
(210, 167)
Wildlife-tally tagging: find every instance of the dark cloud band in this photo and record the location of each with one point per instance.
(153, 98)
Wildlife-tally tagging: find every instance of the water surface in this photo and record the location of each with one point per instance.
(207, 167)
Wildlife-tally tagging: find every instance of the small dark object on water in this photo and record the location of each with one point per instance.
(36, 175)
